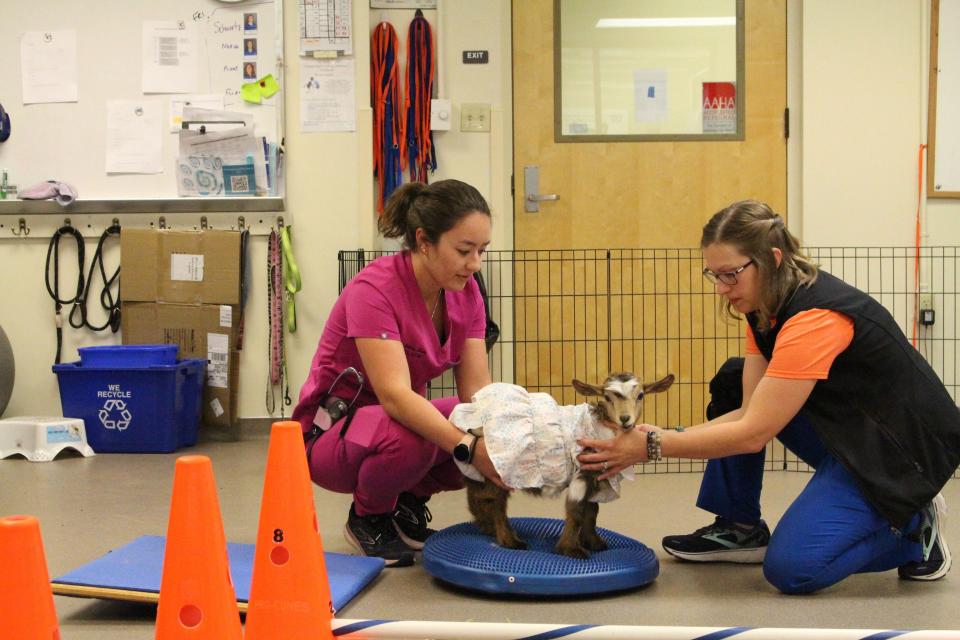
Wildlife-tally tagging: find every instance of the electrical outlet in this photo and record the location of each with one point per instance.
(926, 300)
(475, 117)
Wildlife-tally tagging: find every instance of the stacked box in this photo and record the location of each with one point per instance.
(183, 288)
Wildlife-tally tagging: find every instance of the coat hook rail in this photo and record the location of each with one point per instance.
(22, 228)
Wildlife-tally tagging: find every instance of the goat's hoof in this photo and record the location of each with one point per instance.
(515, 543)
(594, 544)
(578, 553)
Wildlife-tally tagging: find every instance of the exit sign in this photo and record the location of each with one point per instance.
(476, 57)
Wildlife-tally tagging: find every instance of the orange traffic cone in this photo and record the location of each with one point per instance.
(26, 601)
(289, 592)
(197, 600)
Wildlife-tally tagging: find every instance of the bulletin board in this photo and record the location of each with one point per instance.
(943, 137)
(68, 141)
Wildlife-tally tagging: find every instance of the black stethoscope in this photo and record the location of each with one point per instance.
(337, 407)
(332, 408)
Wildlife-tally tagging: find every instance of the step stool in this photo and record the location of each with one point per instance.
(40, 439)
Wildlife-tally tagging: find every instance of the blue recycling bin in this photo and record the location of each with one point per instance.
(130, 405)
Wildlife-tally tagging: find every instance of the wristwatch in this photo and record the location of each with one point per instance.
(463, 452)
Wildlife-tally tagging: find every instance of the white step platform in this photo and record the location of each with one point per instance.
(40, 439)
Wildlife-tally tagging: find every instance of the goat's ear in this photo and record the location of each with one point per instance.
(587, 389)
(659, 385)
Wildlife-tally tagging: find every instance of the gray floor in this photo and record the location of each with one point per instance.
(88, 506)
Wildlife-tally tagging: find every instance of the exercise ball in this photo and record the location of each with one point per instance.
(6, 371)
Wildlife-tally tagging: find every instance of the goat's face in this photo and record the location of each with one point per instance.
(621, 397)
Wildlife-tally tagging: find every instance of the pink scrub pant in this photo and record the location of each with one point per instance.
(378, 458)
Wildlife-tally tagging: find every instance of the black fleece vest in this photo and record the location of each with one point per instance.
(882, 413)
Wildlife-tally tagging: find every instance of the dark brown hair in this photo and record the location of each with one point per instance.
(754, 230)
(436, 208)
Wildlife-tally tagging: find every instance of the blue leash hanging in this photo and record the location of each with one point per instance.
(389, 153)
(421, 152)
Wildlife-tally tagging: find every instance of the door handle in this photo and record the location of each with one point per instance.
(531, 190)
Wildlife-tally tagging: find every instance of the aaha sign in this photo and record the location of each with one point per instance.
(719, 107)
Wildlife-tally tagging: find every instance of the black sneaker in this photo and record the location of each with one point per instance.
(410, 519)
(936, 555)
(374, 535)
(722, 541)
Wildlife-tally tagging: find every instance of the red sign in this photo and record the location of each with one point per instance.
(719, 107)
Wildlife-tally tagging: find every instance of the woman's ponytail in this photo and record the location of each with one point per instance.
(396, 220)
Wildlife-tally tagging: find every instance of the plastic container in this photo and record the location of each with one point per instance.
(149, 409)
(132, 355)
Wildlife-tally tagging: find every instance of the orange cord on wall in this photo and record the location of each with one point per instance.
(916, 255)
(389, 113)
(421, 153)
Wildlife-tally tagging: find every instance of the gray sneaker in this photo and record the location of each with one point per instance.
(936, 555)
(722, 541)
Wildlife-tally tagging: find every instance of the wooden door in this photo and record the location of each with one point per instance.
(643, 194)
(642, 307)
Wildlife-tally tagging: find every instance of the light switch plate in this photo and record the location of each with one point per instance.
(474, 117)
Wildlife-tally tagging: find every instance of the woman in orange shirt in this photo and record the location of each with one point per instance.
(830, 373)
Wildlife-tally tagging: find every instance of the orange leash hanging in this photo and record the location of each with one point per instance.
(916, 255)
(420, 74)
(389, 153)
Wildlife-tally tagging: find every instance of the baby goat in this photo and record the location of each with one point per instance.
(616, 410)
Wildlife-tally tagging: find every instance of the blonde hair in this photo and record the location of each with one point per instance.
(754, 230)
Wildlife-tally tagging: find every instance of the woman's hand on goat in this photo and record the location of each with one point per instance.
(647, 427)
(610, 457)
(481, 461)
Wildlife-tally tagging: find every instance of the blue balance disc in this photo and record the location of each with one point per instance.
(463, 556)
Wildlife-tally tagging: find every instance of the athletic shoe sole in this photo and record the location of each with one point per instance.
(754, 555)
(410, 542)
(403, 561)
(940, 508)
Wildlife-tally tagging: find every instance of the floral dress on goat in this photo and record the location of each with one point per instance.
(532, 440)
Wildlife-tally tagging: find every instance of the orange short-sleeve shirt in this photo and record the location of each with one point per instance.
(807, 344)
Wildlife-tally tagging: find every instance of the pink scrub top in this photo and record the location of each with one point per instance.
(383, 301)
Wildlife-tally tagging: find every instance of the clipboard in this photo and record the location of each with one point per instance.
(203, 124)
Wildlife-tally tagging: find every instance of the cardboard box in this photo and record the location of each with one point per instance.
(189, 267)
(204, 331)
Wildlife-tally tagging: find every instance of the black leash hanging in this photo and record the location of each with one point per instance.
(54, 290)
(107, 301)
(492, 333)
(244, 285)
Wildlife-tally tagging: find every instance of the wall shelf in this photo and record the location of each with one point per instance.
(147, 205)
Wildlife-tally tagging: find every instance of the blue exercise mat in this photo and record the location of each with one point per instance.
(133, 572)
(463, 556)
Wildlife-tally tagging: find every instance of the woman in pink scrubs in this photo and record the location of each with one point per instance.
(402, 321)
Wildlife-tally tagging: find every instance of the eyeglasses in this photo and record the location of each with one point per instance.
(728, 278)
